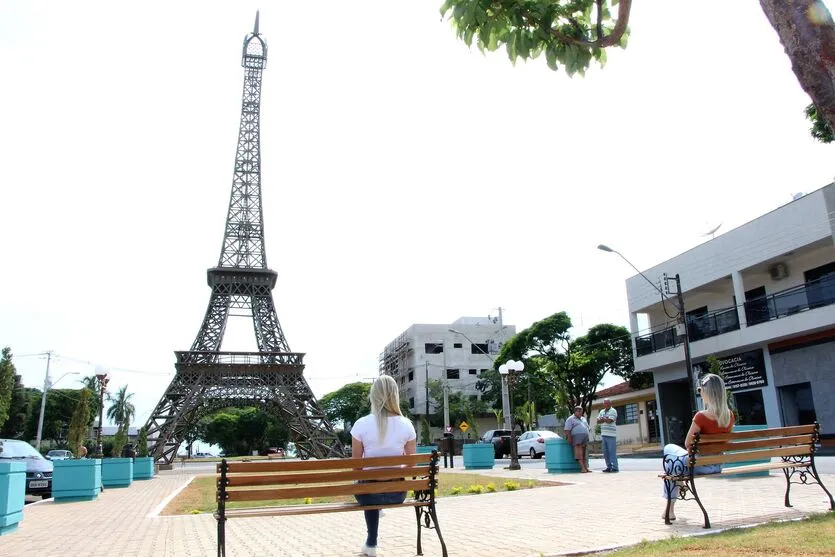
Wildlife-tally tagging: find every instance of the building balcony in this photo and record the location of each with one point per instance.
(807, 296)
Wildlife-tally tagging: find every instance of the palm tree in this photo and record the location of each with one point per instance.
(91, 382)
(122, 410)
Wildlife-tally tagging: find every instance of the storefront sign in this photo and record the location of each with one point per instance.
(741, 371)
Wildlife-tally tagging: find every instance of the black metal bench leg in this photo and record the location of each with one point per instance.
(692, 487)
(823, 487)
(221, 537)
(788, 486)
(417, 516)
(669, 487)
(438, 529)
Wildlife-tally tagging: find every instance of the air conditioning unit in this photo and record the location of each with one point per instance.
(778, 271)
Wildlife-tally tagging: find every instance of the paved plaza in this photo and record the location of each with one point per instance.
(593, 511)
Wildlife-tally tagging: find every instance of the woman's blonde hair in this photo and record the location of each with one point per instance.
(716, 400)
(385, 402)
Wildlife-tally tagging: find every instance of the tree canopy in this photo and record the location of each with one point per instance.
(571, 368)
(347, 404)
(121, 410)
(574, 33)
(7, 383)
(239, 431)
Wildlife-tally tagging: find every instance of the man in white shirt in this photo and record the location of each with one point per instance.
(607, 419)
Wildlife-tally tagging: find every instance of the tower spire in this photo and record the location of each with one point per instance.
(257, 13)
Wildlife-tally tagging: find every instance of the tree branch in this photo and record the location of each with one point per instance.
(624, 6)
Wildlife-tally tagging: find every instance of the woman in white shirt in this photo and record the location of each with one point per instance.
(383, 432)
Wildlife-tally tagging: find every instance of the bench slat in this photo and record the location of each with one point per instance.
(326, 491)
(716, 448)
(325, 464)
(326, 477)
(752, 455)
(757, 433)
(293, 510)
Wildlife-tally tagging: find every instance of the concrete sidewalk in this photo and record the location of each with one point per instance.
(544, 521)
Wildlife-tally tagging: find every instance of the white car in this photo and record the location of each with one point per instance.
(532, 443)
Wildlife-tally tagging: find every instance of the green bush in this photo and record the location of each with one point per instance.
(455, 490)
(491, 487)
(475, 489)
(511, 486)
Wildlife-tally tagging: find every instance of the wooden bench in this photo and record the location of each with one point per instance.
(248, 482)
(794, 446)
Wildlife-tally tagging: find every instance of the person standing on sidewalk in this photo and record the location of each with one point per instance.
(577, 435)
(607, 419)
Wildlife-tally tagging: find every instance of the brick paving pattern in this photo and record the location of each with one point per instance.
(544, 521)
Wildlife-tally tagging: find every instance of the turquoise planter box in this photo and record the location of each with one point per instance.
(12, 495)
(738, 428)
(479, 456)
(117, 472)
(143, 468)
(559, 456)
(76, 480)
(421, 449)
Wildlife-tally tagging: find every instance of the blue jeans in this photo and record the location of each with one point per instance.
(372, 517)
(610, 452)
(675, 462)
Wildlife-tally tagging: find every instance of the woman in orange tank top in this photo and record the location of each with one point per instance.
(715, 418)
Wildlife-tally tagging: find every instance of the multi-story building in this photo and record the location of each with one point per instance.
(761, 298)
(456, 353)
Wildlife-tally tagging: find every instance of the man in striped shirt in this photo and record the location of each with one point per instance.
(607, 419)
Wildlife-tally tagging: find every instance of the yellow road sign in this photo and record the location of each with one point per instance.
(464, 426)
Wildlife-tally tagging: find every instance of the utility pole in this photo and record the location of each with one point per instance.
(691, 384)
(43, 401)
(505, 395)
(426, 384)
(446, 405)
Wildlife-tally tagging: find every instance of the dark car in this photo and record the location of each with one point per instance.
(38, 469)
(500, 439)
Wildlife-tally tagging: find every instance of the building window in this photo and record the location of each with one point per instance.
(478, 348)
(473, 371)
(433, 348)
(627, 414)
(411, 376)
(411, 402)
(452, 374)
(457, 345)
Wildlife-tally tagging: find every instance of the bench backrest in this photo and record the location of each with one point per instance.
(724, 448)
(262, 481)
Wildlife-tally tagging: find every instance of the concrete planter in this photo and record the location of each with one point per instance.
(559, 456)
(117, 472)
(143, 468)
(421, 449)
(738, 428)
(479, 456)
(76, 480)
(12, 495)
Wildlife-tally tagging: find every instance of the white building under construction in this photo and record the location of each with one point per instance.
(456, 353)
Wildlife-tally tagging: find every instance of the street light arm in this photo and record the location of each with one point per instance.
(604, 247)
(457, 332)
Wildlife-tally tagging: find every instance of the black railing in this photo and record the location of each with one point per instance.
(240, 358)
(659, 340)
(712, 324)
(811, 295)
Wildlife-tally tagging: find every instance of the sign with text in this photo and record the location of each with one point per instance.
(745, 370)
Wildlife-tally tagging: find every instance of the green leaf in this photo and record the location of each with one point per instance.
(446, 6)
(551, 58)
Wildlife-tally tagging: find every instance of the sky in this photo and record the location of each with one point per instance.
(406, 177)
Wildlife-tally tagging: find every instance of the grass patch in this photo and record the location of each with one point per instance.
(199, 496)
(815, 536)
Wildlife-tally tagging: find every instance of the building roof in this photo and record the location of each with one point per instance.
(619, 389)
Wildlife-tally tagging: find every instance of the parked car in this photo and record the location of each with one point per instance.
(38, 469)
(59, 454)
(532, 443)
(500, 439)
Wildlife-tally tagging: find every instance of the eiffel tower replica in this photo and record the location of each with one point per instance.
(207, 379)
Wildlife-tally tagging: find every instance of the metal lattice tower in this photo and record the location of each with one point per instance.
(207, 379)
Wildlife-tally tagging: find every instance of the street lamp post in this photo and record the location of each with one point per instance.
(508, 370)
(47, 384)
(682, 322)
(103, 380)
(505, 397)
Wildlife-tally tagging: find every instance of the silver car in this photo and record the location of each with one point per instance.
(38, 469)
(58, 454)
(532, 443)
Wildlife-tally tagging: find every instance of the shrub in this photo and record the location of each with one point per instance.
(511, 486)
(308, 500)
(475, 489)
(491, 487)
(455, 490)
(531, 484)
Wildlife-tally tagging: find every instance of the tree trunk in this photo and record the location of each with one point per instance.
(807, 33)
